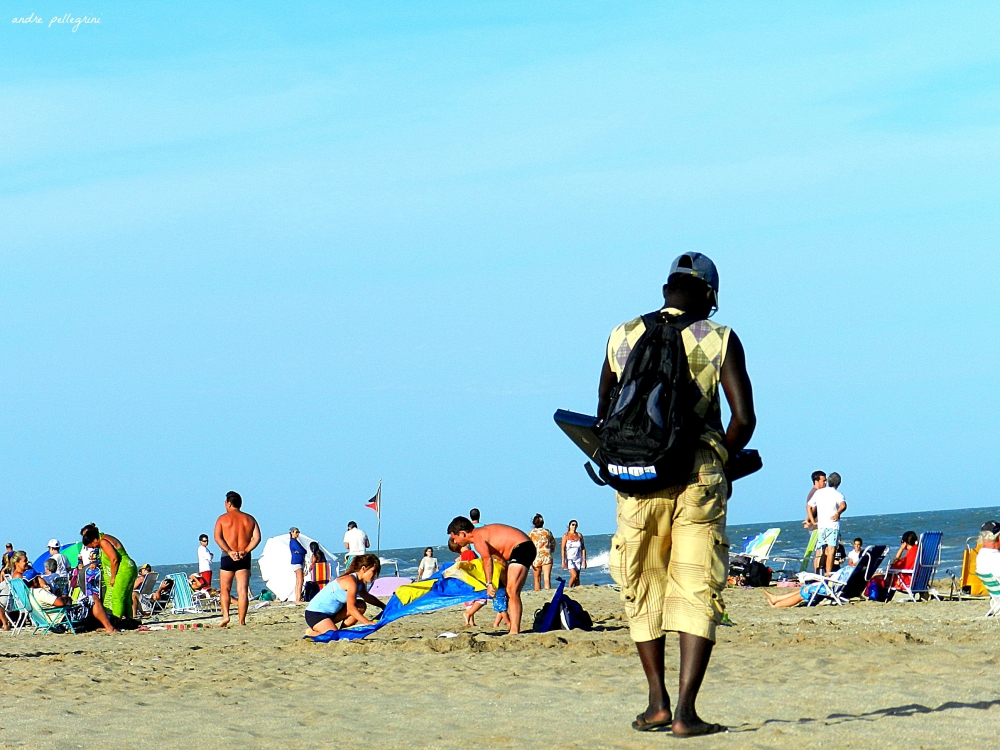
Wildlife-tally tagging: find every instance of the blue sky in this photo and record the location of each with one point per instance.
(291, 252)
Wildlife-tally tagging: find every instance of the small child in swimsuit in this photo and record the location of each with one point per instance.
(500, 607)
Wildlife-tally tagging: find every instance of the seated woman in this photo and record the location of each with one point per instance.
(793, 597)
(905, 559)
(343, 601)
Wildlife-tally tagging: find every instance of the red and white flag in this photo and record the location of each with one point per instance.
(376, 502)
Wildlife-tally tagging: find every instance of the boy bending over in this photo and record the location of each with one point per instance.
(508, 544)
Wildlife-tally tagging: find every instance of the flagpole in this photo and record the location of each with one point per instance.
(378, 533)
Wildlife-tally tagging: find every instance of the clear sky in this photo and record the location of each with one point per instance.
(289, 251)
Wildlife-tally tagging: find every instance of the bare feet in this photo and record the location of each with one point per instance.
(225, 622)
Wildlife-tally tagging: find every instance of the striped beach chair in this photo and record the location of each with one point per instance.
(992, 586)
(45, 619)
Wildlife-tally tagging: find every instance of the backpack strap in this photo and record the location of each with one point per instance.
(680, 322)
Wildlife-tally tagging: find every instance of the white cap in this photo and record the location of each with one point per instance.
(54, 543)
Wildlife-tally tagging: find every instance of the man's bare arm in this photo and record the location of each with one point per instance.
(608, 382)
(739, 394)
(255, 539)
(221, 540)
(486, 554)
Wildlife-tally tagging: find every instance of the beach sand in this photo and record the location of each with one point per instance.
(864, 676)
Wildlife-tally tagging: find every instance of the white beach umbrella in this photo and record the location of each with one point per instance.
(276, 564)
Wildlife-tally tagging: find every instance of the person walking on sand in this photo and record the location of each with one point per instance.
(205, 556)
(545, 545)
(670, 551)
(237, 535)
(508, 544)
(573, 553)
(827, 505)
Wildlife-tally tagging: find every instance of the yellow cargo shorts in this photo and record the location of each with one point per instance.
(670, 554)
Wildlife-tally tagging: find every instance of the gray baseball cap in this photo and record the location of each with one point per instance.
(697, 265)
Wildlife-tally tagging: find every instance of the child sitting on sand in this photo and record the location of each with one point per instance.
(343, 601)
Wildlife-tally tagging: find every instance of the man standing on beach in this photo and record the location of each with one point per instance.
(237, 535)
(827, 505)
(819, 482)
(474, 517)
(670, 552)
(205, 556)
(506, 543)
(355, 542)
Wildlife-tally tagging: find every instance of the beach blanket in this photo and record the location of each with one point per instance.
(455, 584)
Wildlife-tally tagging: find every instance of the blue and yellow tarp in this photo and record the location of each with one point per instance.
(455, 584)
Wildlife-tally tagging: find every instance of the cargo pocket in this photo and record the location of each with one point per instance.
(705, 500)
(625, 560)
(717, 570)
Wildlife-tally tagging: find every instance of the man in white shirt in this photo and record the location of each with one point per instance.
(355, 542)
(62, 564)
(988, 559)
(827, 506)
(205, 556)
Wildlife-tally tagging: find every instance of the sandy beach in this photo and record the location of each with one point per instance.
(866, 675)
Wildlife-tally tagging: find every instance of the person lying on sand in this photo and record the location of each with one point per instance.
(793, 597)
(508, 544)
(343, 601)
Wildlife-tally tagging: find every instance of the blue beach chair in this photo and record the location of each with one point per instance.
(922, 573)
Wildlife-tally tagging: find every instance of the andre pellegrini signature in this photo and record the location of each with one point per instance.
(67, 18)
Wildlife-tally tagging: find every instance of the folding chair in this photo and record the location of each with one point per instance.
(182, 596)
(45, 619)
(992, 586)
(840, 591)
(17, 617)
(922, 574)
(759, 547)
(146, 592)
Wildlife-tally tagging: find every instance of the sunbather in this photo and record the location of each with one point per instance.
(86, 613)
(794, 597)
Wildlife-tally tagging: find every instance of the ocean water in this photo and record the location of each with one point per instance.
(956, 525)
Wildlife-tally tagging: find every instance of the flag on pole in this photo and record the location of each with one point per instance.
(376, 502)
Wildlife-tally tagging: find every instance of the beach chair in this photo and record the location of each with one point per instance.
(992, 586)
(759, 547)
(17, 617)
(182, 597)
(45, 619)
(841, 592)
(922, 573)
(146, 592)
(969, 580)
(806, 561)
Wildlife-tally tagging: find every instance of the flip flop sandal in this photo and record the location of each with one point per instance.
(712, 729)
(641, 725)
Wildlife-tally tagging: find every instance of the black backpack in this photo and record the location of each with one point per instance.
(651, 433)
(571, 616)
